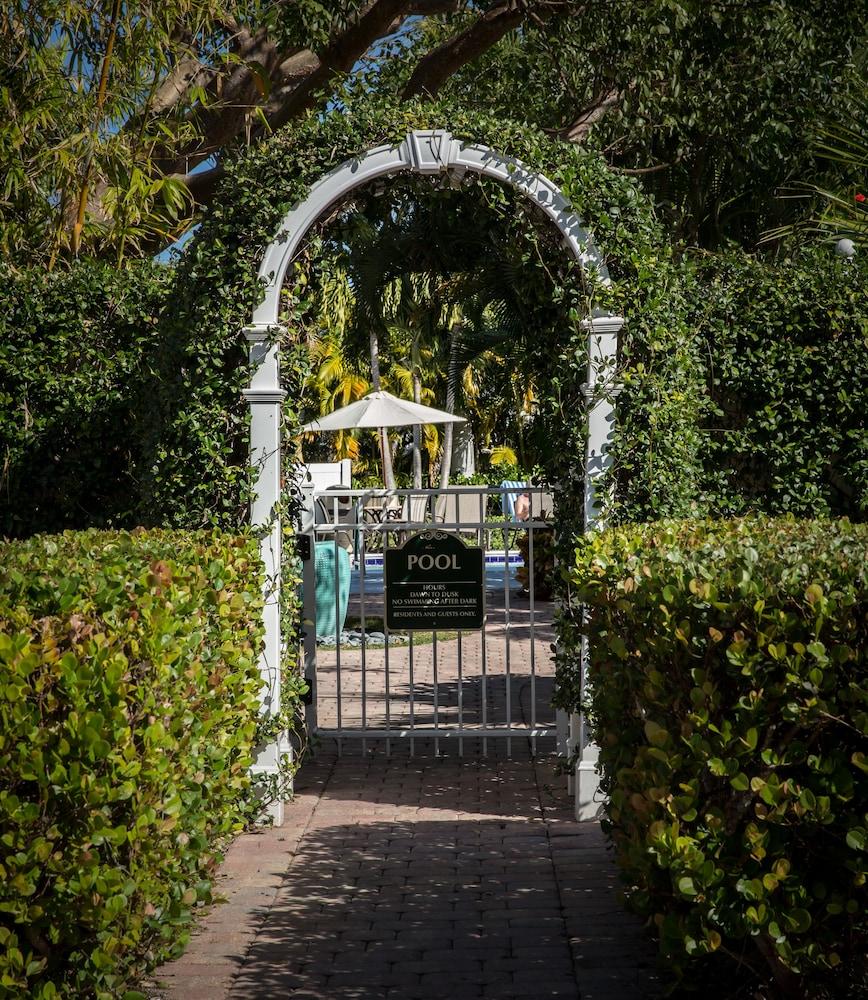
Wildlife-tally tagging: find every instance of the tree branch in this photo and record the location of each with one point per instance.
(425, 8)
(339, 57)
(641, 171)
(187, 73)
(582, 124)
(202, 184)
(435, 68)
(296, 77)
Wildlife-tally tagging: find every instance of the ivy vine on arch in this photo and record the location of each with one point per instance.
(200, 420)
(226, 276)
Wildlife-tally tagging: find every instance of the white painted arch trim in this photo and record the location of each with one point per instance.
(432, 151)
(423, 152)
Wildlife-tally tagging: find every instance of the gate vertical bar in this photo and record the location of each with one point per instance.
(460, 694)
(337, 595)
(532, 609)
(483, 640)
(360, 535)
(412, 696)
(436, 705)
(386, 650)
(265, 397)
(507, 638)
(482, 541)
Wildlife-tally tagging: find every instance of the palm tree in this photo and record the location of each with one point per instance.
(435, 295)
(349, 301)
(334, 381)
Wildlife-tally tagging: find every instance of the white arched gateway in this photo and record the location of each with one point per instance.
(422, 152)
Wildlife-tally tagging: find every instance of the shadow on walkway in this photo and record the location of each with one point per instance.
(434, 878)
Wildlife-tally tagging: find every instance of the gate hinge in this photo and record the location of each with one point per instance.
(302, 543)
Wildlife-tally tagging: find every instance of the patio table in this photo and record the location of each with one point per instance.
(378, 512)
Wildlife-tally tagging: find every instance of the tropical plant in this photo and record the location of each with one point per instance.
(80, 94)
(840, 198)
(441, 289)
(117, 117)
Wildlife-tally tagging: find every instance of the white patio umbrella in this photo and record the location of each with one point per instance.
(381, 409)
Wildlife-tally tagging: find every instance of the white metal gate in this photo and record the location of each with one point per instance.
(372, 686)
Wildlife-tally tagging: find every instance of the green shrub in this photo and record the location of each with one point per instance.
(128, 713)
(786, 349)
(77, 350)
(728, 694)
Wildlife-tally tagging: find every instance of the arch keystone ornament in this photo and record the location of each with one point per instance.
(425, 152)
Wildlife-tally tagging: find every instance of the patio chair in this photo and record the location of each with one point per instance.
(513, 488)
(414, 511)
(462, 507)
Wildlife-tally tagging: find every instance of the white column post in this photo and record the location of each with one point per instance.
(600, 392)
(265, 397)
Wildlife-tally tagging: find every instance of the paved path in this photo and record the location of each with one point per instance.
(505, 673)
(418, 877)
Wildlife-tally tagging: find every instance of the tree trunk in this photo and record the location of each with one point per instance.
(385, 451)
(446, 459)
(417, 434)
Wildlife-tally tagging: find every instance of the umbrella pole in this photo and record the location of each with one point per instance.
(386, 457)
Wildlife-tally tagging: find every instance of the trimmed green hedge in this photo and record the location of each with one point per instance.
(128, 714)
(729, 697)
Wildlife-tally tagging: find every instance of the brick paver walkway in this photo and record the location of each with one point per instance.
(418, 877)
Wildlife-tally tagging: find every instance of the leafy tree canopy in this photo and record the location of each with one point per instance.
(448, 291)
(119, 120)
(711, 103)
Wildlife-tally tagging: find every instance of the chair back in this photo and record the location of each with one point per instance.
(541, 505)
(454, 508)
(415, 509)
(471, 506)
(340, 510)
(446, 509)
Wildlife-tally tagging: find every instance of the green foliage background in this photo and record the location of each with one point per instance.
(129, 711)
(743, 380)
(188, 435)
(728, 693)
(718, 99)
(77, 352)
(743, 383)
(785, 344)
